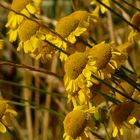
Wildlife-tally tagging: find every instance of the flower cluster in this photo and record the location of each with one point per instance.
(91, 69)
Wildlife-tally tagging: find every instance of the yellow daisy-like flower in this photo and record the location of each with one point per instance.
(78, 25)
(123, 115)
(74, 66)
(26, 7)
(105, 58)
(27, 35)
(32, 37)
(5, 113)
(76, 122)
(134, 34)
(101, 61)
(99, 7)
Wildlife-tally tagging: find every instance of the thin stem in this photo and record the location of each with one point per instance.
(126, 69)
(40, 91)
(57, 48)
(97, 135)
(109, 138)
(120, 5)
(113, 100)
(121, 17)
(121, 74)
(28, 67)
(121, 93)
(93, 40)
(84, 42)
(131, 5)
(111, 26)
(37, 101)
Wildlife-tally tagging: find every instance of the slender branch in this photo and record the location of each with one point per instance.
(29, 68)
(136, 8)
(121, 6)
(121, 93)
(57, 48)
(120, 16)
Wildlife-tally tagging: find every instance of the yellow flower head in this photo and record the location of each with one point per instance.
(121, 115)
(5, 113)
(78, 25)
(135, 20)
(27, 35)
(76, 121)
(27, 29)
(105, 58)
(74, 66)
(26, 7)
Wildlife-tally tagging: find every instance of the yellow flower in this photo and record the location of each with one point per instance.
(76, 122)
(5, 113)
(105, 58)
(32, 37)
(43, 50)
(123, 114)
(74, 66)
(78, 25)
(134, 34)
(101, 61)
(26, 7)
(89, 95)
(99, 7)
(27, 35)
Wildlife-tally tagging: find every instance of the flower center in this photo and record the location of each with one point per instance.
(75, 122)
(101, 54)
(66, 25)
(136, 19)
(121, 112)
(27, 29)
(19, 5)
(80, 15)
(75, 64)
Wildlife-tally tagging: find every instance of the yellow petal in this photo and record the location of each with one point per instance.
(2, 128)
(132, 121)
(31, 8)
(115, 132)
